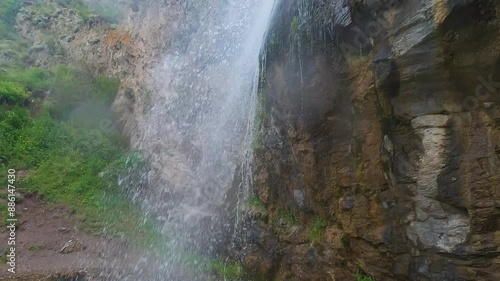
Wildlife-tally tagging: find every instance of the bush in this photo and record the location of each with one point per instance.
(12, 93)
(34, 78)
(77, 5)
(8, 11)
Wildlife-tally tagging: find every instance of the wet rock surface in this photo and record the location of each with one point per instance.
(389, 125)
(381, 117)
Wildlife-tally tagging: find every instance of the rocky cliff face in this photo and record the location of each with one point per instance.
(382, 119)
(379, 137)
(129, 49)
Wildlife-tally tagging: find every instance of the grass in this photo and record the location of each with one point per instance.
(289, 218)
(316, 232)
(3, 258)
(71, 160)
(255, 203)
(34, 78)
(68, 155)
(362, 277)
(227, 271)
(256, 207)
(262, 115)
(295, 28)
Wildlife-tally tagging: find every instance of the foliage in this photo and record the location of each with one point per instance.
(362, 277)
(110, 11)
(295, 27)
(34, 78)
(316, 231)
(79, 6)
(6, 31)
(255, 203)
(13, 50)
(65, 164)
(288, 217)
(12, 93)
(8, 12)
(66, 160)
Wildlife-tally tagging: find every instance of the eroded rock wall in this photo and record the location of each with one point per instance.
(382, 119)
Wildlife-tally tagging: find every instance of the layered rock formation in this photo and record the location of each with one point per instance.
(382, 119)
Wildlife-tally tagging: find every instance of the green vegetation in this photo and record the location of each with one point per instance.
(56, 127)
(289, 218)
(110, 11)
(79, 6)
(224, 269)
(12, 93)
(273, 41)
(3, 258)
(8, 13)
(316, 232)
(227, 271)
(257, 144)
(297, 36)
(12, 48)
(262, 115)
(295, 28)
(34, 78)
(256, 206)
(255, 203)
(70, 159)
(362, 277)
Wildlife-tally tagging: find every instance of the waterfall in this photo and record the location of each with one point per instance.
(200, 130)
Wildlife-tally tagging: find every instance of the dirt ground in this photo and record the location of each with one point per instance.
(43, 230)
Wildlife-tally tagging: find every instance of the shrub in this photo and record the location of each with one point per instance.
(12, 93)
(34, 78)
(8, 11)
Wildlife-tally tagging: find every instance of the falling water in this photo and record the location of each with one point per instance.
(199, 130)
